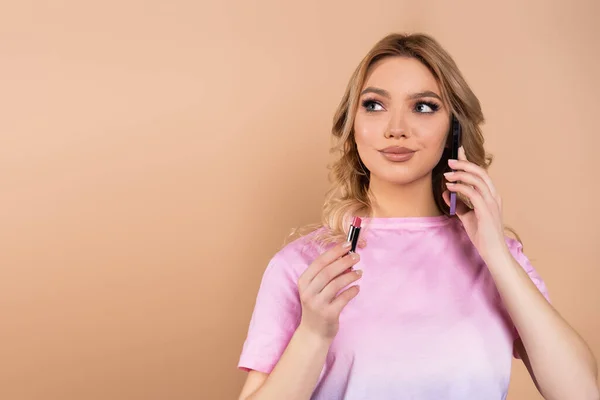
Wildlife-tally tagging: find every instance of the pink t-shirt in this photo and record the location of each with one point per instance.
(428, 322)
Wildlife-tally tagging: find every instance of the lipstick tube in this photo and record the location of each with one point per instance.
(353, 234)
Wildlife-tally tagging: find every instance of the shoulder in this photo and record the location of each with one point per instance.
(297, 255)
(516, 249)
(513, 244)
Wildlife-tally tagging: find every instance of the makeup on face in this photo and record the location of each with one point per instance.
(397, 153)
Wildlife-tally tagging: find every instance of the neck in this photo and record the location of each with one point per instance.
(415, 199)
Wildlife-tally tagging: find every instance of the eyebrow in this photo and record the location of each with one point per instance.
(413, 96)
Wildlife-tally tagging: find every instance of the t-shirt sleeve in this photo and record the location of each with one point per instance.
(516, 248)
(276, 316)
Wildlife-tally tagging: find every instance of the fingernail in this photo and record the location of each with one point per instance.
(449, 183)
(448, 173)
(451, 161)
(347, 245)
(359, 272)
(354, 256)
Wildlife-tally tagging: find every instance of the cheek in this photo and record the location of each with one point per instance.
(432, 132)
(433, 141)
(368, 130)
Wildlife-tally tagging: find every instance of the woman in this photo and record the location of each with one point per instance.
(444, 301)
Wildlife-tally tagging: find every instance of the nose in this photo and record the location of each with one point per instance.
(397, 125)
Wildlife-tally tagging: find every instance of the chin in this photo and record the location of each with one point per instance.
(399, 177)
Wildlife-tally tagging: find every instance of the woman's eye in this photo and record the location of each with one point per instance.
(371, 105)
(426, 107)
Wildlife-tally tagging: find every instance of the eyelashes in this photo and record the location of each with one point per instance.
(433, 106)
(367, 104)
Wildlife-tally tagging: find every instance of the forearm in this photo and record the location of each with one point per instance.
(297, 372)
(563, 364)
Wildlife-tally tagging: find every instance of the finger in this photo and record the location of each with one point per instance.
(473, 180)
(334, 287)
(470, 193)
(338, 304)
(322, 261)
(463, 164)
(330, 272)
(462, 154)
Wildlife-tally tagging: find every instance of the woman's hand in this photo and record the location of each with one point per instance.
(483, 222)
(320, 288)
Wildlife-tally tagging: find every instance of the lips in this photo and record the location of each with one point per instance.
(397, 150)
(397, 154)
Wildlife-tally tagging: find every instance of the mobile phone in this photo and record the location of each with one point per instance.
(456, 131)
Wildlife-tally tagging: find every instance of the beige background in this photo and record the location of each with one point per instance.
(153, 156)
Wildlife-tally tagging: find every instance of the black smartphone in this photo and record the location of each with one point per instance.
(456, 132)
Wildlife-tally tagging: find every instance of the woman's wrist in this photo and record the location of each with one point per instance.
(498, 256)
(312, 338)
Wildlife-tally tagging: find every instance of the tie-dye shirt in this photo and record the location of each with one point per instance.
(428, 322)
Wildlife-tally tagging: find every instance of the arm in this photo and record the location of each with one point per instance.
(297, 372)
(295, 364)
(560, 362)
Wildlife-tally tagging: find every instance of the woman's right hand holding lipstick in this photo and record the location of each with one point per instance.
(319, 285)
(297, 372)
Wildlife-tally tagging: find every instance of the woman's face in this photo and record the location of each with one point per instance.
(401, 124)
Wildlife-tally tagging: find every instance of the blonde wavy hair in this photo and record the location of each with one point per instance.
(348, 194)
